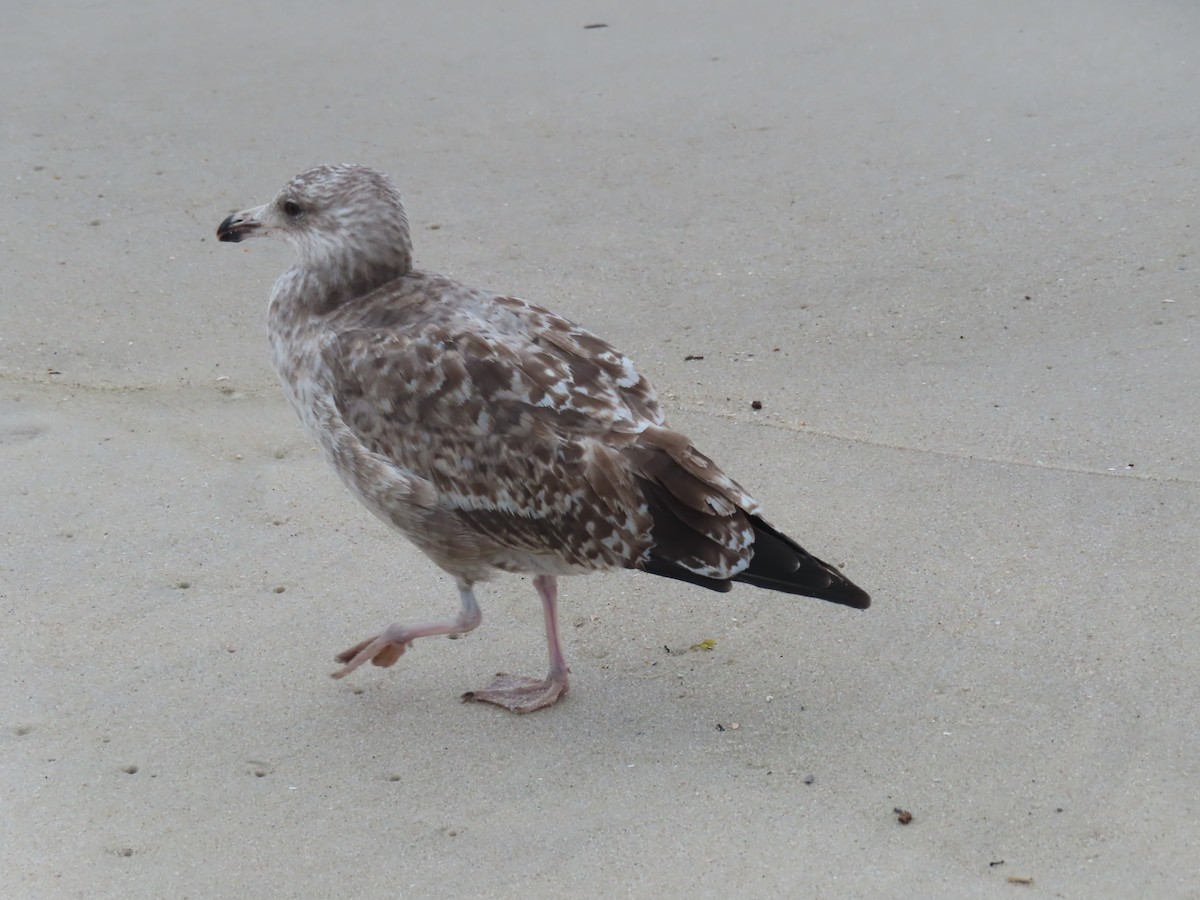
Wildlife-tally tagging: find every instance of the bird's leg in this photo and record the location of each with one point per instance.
(520, 693)
(389, 645)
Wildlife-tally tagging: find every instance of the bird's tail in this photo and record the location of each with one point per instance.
(705, 527)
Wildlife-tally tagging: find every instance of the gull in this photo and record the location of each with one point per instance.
(492, 433)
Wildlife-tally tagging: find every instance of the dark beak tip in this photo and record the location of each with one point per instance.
(225, 231)
(232, 231)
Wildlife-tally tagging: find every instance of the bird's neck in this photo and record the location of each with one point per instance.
(315, 291)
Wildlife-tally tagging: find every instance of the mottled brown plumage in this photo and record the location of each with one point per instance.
(494, 434)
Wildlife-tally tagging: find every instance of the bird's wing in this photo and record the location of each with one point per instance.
(517, 417)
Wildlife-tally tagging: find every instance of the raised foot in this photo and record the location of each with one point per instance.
(380, 650)
(520, 693)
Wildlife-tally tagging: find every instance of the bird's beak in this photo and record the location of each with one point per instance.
(239, 226)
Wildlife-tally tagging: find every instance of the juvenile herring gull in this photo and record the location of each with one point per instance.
(492, 433)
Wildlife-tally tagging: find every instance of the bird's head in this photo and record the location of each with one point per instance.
(344, 219)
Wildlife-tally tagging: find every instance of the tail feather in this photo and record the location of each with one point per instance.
(706, 529)
(778, 563)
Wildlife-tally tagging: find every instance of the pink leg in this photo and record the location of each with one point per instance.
(522, 694)
(389, 645)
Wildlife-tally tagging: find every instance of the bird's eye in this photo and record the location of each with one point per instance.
(292, 209)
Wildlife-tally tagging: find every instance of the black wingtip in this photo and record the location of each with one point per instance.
(840, 589)
(780, 564)
(830, 585)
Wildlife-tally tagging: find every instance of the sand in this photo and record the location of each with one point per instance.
(950, 250)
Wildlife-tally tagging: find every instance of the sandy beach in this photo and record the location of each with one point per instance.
(949, 249)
